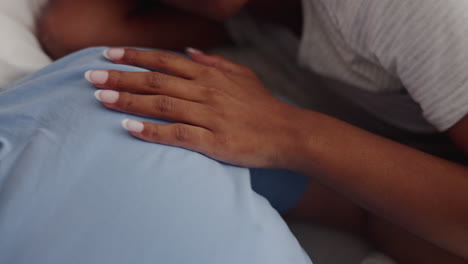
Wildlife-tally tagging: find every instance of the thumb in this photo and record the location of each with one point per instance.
(218, 61)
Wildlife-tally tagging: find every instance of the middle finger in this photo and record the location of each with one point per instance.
(146, 83)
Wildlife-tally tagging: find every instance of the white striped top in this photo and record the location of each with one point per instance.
(396, 52)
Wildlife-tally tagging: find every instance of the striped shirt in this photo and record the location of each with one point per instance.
(407, 59)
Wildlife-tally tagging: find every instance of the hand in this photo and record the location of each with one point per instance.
(222, 109)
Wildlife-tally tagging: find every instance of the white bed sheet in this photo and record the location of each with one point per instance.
(20, 51)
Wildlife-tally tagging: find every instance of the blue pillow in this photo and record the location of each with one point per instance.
(76, 188)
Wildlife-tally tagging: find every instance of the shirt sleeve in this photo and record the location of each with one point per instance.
(422, 42)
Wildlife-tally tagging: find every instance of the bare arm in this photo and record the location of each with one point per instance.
(68, 25)
(422, 193)
(227, 114)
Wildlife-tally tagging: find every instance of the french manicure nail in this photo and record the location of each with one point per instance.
(133, 126)
(107, 96)
(193, 51)
(114, 53)
(97, 77)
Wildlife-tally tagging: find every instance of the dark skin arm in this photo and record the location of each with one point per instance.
(226, 113)
(69, 25)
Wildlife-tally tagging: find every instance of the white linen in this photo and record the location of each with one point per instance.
(20, 51)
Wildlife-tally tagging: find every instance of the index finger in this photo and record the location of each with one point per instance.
(155, 60)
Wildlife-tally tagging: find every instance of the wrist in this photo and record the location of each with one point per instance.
(296, 144)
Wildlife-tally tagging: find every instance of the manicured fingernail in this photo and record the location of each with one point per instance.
(193, 51)
(133, 126)
(107, 96)
(97, 77)
(113, 53)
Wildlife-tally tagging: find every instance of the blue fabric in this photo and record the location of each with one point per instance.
(281, 188)
(76, 188)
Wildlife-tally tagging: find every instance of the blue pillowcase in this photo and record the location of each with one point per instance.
(76, 188)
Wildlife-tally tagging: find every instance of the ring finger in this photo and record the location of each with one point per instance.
(157, 106)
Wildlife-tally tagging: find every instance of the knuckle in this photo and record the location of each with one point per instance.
(161, 58)
(208, 72)
(210, 94)
(217, 64)
(154, 132)
(182, 133)
(115, 79)
(155, 80)
(163, 104)
(215, 60)
(131, 57)
(125, 101)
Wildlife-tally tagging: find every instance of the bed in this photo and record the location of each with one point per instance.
(21, 55)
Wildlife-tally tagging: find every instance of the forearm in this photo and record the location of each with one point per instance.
(424, 194)
(68, 25)
(171, 29)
